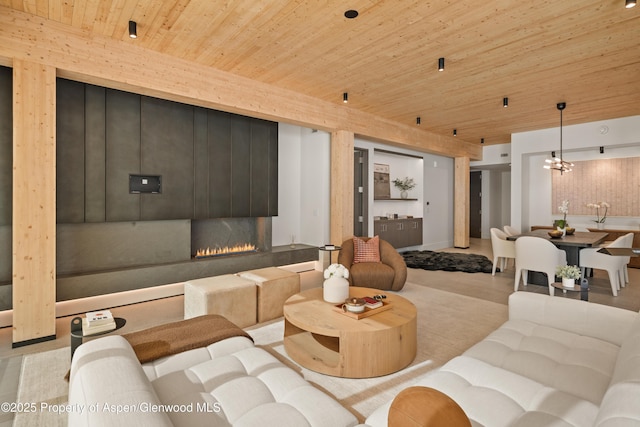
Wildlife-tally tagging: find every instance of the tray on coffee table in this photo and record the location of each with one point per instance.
(366, 313)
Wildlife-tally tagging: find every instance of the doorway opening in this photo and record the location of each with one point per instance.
(360, 191)
(475, 204)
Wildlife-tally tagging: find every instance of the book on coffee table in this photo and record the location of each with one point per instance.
(372, 302)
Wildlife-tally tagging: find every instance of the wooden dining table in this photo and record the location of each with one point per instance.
(571, 244)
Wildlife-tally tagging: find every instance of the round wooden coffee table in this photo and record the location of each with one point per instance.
(324, 340)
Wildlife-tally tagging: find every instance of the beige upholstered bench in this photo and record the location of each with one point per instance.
(274, 286)
(229, 295)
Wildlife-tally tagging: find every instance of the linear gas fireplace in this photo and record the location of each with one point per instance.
(225, 250)
(229, 236)
(103, 258)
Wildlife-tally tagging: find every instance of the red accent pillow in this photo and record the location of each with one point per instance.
(366, 251)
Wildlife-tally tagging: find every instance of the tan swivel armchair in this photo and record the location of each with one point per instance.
(388, 274)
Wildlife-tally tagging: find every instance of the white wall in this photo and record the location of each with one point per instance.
(315, 194)
(303, 187)
(531, 184)
(287, 223)
(434, 177)
(303, 194)
(400, 167)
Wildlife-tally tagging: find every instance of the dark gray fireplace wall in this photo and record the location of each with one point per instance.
(212, 164)
(83, 248)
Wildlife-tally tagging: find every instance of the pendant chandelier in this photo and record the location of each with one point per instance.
(558, 163)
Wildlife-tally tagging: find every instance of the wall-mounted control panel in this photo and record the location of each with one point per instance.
(145, 184)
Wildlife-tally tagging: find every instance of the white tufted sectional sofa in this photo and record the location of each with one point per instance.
(228, 383)
(555, 362)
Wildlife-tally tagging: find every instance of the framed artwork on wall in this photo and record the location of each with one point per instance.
(381, 182)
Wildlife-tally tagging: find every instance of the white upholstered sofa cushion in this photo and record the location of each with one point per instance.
(621, 403)
(555, 362)
(579, 365)
(229, 383)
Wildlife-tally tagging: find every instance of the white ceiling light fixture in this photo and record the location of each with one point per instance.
(558, 163)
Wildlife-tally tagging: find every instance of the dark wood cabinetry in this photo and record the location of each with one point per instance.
(400, 233)
(212, 164)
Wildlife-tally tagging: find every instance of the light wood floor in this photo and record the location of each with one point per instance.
(479, 285)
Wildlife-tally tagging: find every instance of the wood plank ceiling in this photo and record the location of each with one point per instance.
(585, 53)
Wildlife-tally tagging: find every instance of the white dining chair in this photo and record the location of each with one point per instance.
(628, 243)
(511, 231)
(537, 254)
(614, 265)
(502, 248)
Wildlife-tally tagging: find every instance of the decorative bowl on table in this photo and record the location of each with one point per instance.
(570, 230)
(555, 234)
(354, 305)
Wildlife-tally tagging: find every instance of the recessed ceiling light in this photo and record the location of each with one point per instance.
(133, 29)
(351, 14)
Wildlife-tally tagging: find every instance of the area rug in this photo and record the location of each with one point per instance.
(448, 324)
(448, 261)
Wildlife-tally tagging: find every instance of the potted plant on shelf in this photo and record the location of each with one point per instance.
(569, 274)
(404, 185)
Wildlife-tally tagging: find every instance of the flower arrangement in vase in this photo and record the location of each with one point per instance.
(569, 274)
(336, 286)
(404, 185)
(562, 224)
(600, 219)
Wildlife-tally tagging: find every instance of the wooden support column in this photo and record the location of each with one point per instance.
(341, 211)
(34, 202)
(461, 203)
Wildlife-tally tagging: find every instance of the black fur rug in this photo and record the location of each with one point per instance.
(447, 261)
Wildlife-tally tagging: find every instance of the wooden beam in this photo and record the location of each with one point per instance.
(84, 56)
(341, 210)
(34, 202)
(461, 202)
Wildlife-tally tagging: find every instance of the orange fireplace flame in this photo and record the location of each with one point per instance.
(227, 250)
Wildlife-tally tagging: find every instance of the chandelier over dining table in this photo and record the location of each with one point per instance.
(558, 163)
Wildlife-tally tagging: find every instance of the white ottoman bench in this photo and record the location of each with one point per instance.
(229, 295)
(274, 286)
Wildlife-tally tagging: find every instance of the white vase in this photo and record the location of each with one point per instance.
(600, 225)
(564, 231)
(335, 290)
(404, 194)
(568, 283)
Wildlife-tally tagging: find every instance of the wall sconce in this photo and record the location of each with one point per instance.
(481, 140)
(455, 132)
(601, 150)
(133, 29)
(440, 64)
(345, 97)
(505, 102)
(629, 3)
(418, 120)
